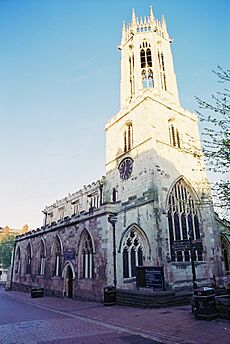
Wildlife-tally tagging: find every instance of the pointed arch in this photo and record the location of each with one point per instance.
(83, 233)
(56, 255)
(68, 276)
(161, 61)
(225, 246)
(143, 234)
(28, 259)
(42, 257)
(134, 245)
(18, 260)
(57, 239)
(174, 133)
(183, 221)
(64, 271)
(42, 242)
(86, 250)
(146, 65)
(186, 182)
(127, 131)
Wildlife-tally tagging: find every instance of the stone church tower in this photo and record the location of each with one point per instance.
(154, 197)
(154, 165)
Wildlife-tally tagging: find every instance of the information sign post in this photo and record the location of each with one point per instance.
(150, 277)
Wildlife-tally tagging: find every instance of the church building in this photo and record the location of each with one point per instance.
(153, 199)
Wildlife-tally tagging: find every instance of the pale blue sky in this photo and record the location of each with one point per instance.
(59, 84)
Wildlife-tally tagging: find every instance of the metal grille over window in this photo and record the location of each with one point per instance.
(146, 65)
(132, 254)
(183, 219)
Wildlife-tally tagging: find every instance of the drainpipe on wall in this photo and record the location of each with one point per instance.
(113, 219)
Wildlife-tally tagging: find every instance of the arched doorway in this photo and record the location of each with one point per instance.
(68, 275)
(69, 282)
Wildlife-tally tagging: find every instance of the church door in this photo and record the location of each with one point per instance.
(69, 278)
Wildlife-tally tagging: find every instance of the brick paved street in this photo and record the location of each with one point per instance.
(58, 321)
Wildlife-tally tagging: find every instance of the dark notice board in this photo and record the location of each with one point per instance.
(69, 254)
(150, 277)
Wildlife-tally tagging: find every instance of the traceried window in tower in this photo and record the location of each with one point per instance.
(131, 74)
(146, 65)
(174, 135)
(128, 137)
(132, 253)
(183, 220)
(161, 61)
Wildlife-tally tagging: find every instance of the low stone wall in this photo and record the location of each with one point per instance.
(145, 299)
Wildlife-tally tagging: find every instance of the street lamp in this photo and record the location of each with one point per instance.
(113, 219)
(190, 237)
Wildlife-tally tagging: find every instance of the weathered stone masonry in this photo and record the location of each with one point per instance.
(155, 184)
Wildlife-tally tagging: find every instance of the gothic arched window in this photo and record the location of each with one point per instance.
(225, 245)
(57, 257)
(128, 137)
(146, 63)
(132, 253)
(42, 259)
(131, 74)
(174, 136)
(28, 259)
(86, 256)
(18, 261)
(161, 61)
(150, 78)
(183, 220)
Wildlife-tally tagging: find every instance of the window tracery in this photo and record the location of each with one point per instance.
(183, 218)
(132, 253)
(87, 256)
(146, 65)
(57, 257)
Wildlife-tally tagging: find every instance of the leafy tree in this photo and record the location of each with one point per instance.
(216, 138)
(6, 248)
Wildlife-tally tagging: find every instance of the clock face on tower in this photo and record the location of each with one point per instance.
(126, 168)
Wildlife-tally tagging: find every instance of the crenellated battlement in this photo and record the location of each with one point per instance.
(82, 200)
